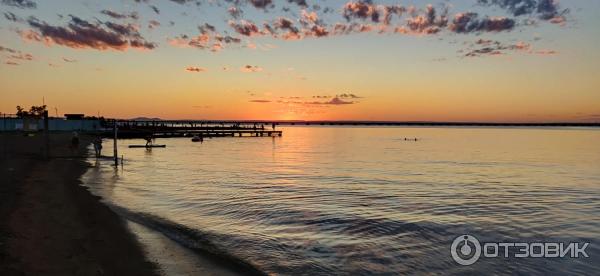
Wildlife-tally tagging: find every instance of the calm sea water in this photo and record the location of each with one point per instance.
(359, 200)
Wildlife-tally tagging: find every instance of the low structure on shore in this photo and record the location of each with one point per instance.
(138, 128)
(10, 123)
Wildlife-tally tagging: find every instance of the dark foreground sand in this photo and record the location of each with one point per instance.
(50, 224)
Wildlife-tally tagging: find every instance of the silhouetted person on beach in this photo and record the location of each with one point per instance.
(98, 146)
(75, 139)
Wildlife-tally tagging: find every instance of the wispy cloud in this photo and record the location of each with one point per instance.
(195, 69)
(487, 47)
(251, 69)
(14, 57)
(152, 24)
(332, 101)
(23, 4)
(260, 101)
(546, 52)
(245, 28)
(202, 106)
(208, 38)
(155, 9)
(12, 17)
(8, 50)
(348, 96)
(548, 10)
(117, 15)
(336, 101)
(261, 4)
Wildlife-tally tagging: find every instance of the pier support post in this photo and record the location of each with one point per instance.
(115, 145)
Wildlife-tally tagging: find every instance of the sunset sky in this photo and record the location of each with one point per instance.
(464, 60)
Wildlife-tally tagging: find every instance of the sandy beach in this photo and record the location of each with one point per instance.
(50, 224)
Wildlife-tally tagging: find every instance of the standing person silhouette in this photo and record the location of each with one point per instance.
(148, 141)
(75, 139)
(98, 146)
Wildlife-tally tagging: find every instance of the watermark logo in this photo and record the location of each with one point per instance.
(466, 250)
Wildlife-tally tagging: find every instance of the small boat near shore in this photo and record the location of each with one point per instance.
(197, 138)
(147, 146)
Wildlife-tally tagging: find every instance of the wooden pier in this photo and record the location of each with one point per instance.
(206, 129)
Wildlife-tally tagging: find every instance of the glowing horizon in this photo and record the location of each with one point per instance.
(471, 60)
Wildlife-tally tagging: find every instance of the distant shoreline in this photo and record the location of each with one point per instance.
(374, 123)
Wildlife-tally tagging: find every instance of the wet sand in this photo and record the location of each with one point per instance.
(50, 224)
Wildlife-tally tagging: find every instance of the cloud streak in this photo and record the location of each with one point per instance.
(117, 15)
(208, 38)
(14, 57)
(251, 69)
(12, 17)
(333, 101)
(544, 9)
(260, 101)
(23, 4)
(194, 69)
(483, 47)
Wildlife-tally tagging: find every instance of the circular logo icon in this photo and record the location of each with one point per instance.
(465, 250)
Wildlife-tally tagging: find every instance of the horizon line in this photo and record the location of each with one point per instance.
(374, 122)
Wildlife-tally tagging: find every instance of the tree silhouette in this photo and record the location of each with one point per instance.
(34, 111)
